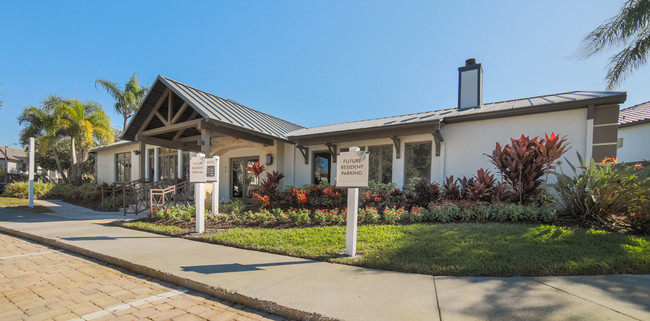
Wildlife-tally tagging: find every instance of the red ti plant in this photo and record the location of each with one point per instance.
(451, 189)
(481, 187)
(256, 169)
(551, 149)
(524, 161)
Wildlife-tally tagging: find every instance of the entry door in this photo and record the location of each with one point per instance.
(242, 181)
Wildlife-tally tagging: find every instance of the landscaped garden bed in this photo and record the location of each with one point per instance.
(467, 226)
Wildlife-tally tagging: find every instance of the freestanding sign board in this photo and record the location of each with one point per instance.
(212, 175)
(212, 169)
(352, 169)
(197, 169)
(352, 172)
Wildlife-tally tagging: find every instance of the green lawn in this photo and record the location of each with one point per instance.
(467, 249)
(149, 227)
(21, 204)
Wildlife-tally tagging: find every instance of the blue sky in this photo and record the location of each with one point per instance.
(312, 63)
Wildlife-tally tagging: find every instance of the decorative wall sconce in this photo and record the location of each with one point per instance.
(269, 159)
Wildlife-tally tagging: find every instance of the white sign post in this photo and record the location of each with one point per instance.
(212, 175)
(31, 172)
(352, 172)
(198, 177)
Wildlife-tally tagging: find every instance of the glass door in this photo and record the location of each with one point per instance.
(242, 182)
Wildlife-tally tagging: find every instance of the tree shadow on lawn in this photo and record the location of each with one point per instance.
(475, 249)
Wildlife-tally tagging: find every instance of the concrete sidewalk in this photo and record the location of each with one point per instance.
(305, 289)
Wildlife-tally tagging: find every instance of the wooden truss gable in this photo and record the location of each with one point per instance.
(174, 123)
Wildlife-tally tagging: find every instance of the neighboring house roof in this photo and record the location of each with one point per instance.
(531, 105)
(634, 115)
(222, 111)
(13, 154)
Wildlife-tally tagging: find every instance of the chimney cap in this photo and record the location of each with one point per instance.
(470, 61)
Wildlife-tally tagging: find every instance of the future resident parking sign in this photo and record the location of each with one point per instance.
(197, 169)
(352, 169)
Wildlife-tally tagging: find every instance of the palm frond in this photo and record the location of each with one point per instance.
(634, 16)
(629, 59)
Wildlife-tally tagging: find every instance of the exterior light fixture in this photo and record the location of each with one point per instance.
(269, 159)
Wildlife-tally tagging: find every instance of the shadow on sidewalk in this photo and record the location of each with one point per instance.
(235, 267)
(109, 238)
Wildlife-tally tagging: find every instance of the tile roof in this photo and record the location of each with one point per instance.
(634, 115)
(449, 114)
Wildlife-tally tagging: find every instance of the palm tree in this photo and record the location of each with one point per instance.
(86, 124)
(128, 100)
(43, 126)
(629, 28)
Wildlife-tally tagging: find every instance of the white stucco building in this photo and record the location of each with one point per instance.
(634, 133)
(431, 144)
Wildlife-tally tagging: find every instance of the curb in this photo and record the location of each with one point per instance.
(233, 296)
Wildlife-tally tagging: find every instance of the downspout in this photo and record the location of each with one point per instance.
(589, 143)
(440, 147)
(293, 166)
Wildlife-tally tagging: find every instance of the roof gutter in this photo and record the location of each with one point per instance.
(614, 99)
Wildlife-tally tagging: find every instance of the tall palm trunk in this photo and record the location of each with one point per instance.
(76, 177)
(125, 121)
(59, 167)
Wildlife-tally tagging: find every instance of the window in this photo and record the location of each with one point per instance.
(321, 168)
(381, 164)
(167, 163)
(151, 164)
(123, 167)
(417, 161)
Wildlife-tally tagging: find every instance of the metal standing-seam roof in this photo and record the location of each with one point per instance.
(634, 115)
(217, 109)
(529, 105)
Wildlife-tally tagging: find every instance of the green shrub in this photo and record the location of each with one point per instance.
(393, 215)
(482, 211)
(547, 214)
(446, 212)
(280, 216)
(606, 192)
(514, 212)
(21, 190)
(299, 217)
(369, 215)
(416, 214)
(263, 217)
(497, 212)
(468, 214)
(319, 216)
(530, 212)
(174, 213)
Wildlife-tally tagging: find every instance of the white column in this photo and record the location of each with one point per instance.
(215, 189)
(156, 174)
(31, 172)
(180, 164)
(147, 165)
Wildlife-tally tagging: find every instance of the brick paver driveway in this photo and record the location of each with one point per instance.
(42, 283)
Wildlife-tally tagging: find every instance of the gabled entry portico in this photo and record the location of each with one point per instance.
(178, 116)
